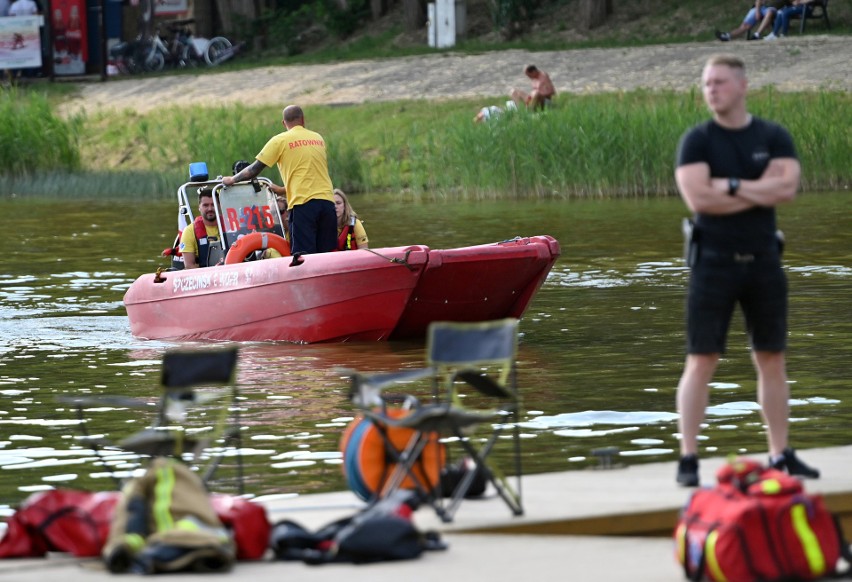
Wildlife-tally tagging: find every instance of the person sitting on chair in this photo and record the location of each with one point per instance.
(796, 8)
(762, 12)
(350, 232)
(200, 243)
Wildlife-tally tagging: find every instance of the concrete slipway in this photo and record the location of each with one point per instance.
(584, 526)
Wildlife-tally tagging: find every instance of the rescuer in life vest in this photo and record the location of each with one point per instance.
(200, 244)
(350, 232)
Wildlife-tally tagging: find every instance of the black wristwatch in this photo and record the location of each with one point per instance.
(733, 186)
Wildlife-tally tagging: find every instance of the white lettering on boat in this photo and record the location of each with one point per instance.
(205, 281)
(191, 283)
(230, 279)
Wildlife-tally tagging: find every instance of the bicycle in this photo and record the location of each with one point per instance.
(182, 49)
(189, 50)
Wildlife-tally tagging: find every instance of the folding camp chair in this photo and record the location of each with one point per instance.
(171, 433)
(478, 356)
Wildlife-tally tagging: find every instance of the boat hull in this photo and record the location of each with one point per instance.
(478, 283)
(329, 297)
(363, 295)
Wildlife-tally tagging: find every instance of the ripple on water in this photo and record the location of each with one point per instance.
(599, 417)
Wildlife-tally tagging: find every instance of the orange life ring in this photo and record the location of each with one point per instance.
(256, 241)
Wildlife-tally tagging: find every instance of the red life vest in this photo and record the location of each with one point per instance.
(346, 239)
(203, 244)
(203, 253)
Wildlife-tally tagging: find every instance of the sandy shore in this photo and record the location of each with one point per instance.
(793, 63)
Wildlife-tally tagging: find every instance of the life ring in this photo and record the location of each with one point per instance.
(256, 241)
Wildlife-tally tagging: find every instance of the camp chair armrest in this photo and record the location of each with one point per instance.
(365, 391)
(484, 383)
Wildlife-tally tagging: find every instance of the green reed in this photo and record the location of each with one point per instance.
(32, 138)
(616, 144)
(620, 144)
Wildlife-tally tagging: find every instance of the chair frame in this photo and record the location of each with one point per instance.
(182, 371)
(816, 10)
(445, 415)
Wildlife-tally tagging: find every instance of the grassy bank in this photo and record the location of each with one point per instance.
(619, 144)
(32, 138)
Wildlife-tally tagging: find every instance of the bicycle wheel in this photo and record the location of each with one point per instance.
(218, 51)
(155, 61)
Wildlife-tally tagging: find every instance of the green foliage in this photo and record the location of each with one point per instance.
(346, 167)
(32, 138)
(511, 15)
(616, 144)
(139, 185)
(619, 144)
(287, 27)
(343, 21)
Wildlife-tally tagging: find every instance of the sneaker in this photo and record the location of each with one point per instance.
(687, 471)
(770, 36)
(790, 462)
(723, 36)
(755, 36)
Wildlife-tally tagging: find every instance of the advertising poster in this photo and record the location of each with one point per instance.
(70, 43)
(20, 42)
(173, 7)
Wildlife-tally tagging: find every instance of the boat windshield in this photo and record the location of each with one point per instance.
(242, 209)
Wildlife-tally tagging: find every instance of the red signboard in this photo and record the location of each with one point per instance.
(68, 30)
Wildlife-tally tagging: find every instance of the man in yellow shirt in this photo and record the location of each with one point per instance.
(302, 161)
(200, 244)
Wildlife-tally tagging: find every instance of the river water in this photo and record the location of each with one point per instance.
(600, 353)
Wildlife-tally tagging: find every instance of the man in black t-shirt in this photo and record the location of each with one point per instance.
(731, 172)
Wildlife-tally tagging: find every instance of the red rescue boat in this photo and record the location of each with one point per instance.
(361, 295)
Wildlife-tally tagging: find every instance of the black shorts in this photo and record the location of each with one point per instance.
(721, 280)
(313, 227)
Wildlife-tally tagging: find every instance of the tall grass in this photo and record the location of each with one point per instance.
(620, 144)
(32, 138)
(617, 144)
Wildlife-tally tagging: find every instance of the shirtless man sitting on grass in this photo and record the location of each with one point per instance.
(542, 89)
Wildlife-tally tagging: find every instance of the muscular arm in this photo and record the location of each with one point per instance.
(246, 174)
(704, 195)
(778, 184)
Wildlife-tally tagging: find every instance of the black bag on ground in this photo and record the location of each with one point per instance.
(452, 475)
(381, 532)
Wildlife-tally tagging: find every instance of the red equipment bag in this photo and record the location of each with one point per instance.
(247, 522)
(757, 524)
(60, 520)
(78, 522)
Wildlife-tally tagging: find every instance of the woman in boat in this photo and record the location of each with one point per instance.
(350, 232)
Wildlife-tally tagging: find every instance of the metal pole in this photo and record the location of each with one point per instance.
(48, 30)
(102, 27)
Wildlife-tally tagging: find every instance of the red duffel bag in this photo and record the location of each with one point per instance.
(78, 522)
(60, 520)
(757, 524)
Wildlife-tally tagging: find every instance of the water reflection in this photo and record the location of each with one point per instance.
(600, 353)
